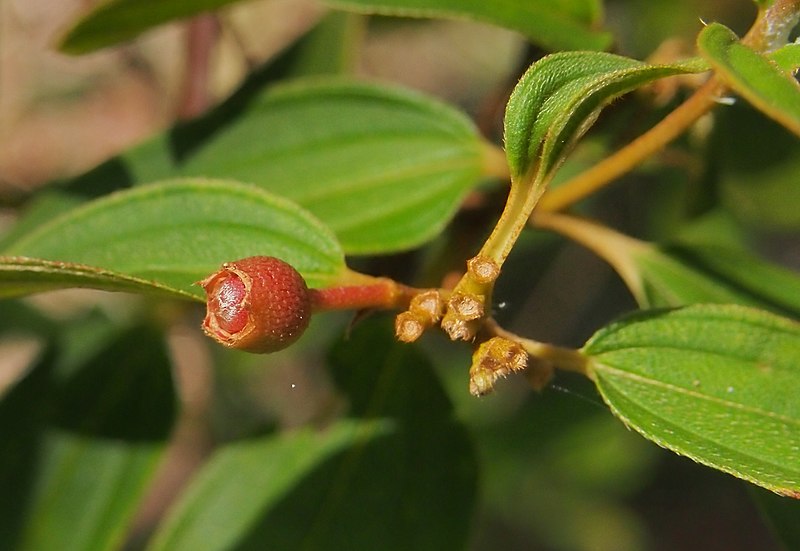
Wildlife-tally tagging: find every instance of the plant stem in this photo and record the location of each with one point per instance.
(615, 248)
(773, 25)
(202, 32)
(567, 359)
(374, 292)
(635, 153)
(769, 31)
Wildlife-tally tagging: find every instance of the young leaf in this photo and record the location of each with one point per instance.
(553, 24)
(761, 82)
(718, 384)
(560, 95)
(116, 21)
(175, 233)
(787, 57)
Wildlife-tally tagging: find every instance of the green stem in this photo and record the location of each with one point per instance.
(769, 31)
(566, 359)
(615, 248)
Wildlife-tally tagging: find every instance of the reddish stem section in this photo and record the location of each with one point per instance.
(384, 293)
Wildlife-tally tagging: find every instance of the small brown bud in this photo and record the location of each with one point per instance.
(483, 270)
(425, 310)
(258, 304)
(409, 326)
(495, 358)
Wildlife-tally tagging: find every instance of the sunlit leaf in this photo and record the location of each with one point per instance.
(384, 168)
(761, 82)
(172, 234)
(559, 97)
(715, 383)
(554, 24)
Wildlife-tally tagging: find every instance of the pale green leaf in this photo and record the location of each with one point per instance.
(177, 232)
(716, 383)
(761, 82)
(554, 24)
(559, 97)
(243, 480)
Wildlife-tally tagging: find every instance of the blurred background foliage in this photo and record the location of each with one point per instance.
(111, 403)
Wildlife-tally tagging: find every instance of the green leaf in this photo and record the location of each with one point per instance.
(384, 168)
(715, 383)
(116, 21)
(553, 24)
(82, 435)
(171, 234)
(787, 57)
(361, 499)
(676, 275)
(242, 481)
(399, 473)
(761, 82)
(560, 96)
(21, 275)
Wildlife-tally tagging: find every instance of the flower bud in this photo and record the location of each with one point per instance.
(258, 304)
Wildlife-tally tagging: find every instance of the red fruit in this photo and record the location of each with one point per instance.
(259, 304)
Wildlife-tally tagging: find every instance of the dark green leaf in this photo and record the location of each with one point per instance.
(82, 438)
(559, 97)
(362, 500)
(116, 21)
(554, 24)
(244, 480)
(716, 383)
(400, 476)
(173, 234)
(761, 82)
